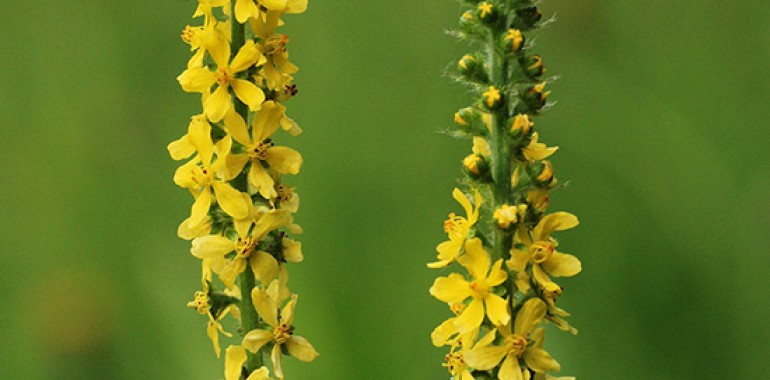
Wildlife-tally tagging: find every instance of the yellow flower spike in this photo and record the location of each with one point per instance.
(536, 151)
(457, 229)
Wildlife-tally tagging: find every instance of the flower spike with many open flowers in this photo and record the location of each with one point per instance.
(504, 243)
(242, 214)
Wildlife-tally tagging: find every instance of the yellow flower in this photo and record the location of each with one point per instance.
(457, 229)
(285, 6)
(455, 288)
(522, 123)
(201, 37)
(235, 356)
(516, 346)
(456, 365)
(260, 149)
(541, 251)
(263, 264)
(201, 79)
(536, 151)
(213, 327)
(201, 176)
(205, 8)
(281, 335)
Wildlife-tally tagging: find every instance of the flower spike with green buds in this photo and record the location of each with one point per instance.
(243, 212)
(505, 288)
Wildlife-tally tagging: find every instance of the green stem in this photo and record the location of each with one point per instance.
(501, 157)
(246, 280)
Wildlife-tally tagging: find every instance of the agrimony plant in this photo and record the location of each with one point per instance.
(241, 221)
(502, 246)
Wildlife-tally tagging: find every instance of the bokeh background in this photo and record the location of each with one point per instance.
(661, 119)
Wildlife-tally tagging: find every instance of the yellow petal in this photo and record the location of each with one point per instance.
(199, 132)
(181, 148)
(248, 93)
(235, 267)
(212, 332)
(540, 360)
(270, 221)
(261, 374)
(261, 180)
(443, 332)
(497, 309)
(217, 105)
(529, 316)
(183, 176)
(292, 250)
(247, 56)
(255, 339)
(200, 209)
(244, 9)
(452, 288)
(562, 265)
(189, 231)
(510, 370)
(211, 246)
(471, 317)
(237, 127)
(557, 221)
(196, 79)
(235, 356)
(287, 314)
(485, 357)
(264, 266)
(284, 160)
(230, 200)
(476, 259)
(265, 306)
(275, 357)
(460, 197)
(267, 120)
(301, 349)
(497, 275)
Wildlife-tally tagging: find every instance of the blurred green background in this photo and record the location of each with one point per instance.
(661, 119)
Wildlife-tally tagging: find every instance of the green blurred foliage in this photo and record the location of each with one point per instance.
(660, 119)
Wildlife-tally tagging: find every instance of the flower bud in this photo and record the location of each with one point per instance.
(472, 162)
(506, 215)
(545, 177)
(493, 99)
(527, 17)
(513, 40)
(466, 116)
(487, 12)
(467, 20)
(535, 97)
(521, 125)
(535, 66)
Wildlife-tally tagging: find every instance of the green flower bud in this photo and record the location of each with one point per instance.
(467, 64)
(526, 18)
(534, 98)
(466, 116)
(535, 66)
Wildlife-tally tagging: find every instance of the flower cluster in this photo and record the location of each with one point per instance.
(242, 217)
(505, 292)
